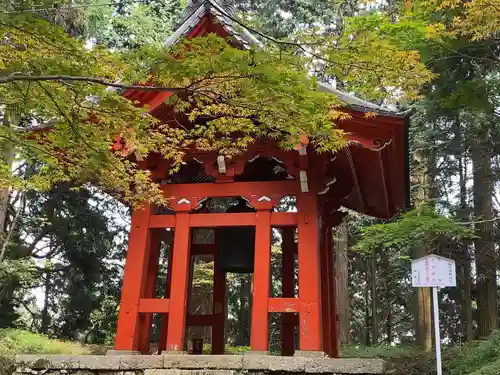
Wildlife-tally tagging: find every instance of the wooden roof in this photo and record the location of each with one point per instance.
(373, 169)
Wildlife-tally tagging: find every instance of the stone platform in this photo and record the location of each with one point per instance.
(251, 364)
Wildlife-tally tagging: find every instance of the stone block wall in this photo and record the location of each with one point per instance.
(250, 364)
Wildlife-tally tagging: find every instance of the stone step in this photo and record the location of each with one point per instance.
(178, 364)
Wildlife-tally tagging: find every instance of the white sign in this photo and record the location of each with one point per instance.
(433, 271)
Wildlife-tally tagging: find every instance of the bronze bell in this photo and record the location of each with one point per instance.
(236, 248)
(236, 245)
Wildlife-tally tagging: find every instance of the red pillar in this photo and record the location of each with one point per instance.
(309, 273)
(149, 291)
(260, 316)
(326, 286)
(179, 287)
(134, 281)
(288, 320)
(164, 318)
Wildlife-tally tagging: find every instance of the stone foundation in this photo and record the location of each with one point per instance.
(194, 365)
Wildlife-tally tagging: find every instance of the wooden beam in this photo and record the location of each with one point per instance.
(179, 288)
(309, 273)
(234, 189)
(278, 219)
(259, 337)
(154, 305)
(288, 321)
(134, 281)
(283, 305)
(162, 221)
(284, 219)
(221, 220)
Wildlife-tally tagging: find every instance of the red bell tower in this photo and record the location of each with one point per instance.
(369, 176)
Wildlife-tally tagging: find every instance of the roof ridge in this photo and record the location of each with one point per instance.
(196, 9)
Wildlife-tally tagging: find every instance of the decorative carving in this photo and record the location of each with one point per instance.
(380, 144)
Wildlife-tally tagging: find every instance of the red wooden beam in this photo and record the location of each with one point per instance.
(162, 221)
(221, 220)
(134, 281)
(284, 219)
(283, 305)
(235, 189)
(179, 288)
(259, 337)
(309, 273)
(154, 305)
(278, 219)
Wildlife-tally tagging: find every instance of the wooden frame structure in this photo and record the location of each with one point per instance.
(369, 176)
(314, 305)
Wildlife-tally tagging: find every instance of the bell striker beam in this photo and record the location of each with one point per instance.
(288, 265)
(179, 281)
(134, 280)
(309, 271)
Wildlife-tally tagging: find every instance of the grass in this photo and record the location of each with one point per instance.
(474, 358)
(15, 341)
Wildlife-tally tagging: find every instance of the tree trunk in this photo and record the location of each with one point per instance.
(464, 264)
(44, 326)
(423, 309)
(342, 282)
(367, 303)
(486, 283)
(374, 299)
(6, 153)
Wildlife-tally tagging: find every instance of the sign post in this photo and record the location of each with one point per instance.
(434, 271)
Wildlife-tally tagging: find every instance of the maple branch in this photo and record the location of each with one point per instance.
(100, 81)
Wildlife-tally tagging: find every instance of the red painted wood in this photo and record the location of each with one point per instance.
(284, 219)
(154, 305)
(288, 321)
(179, 287)
(162, 221)
(278, 219)
(235, 189)
(219, 309)
(146, 318)
(309, 273)
(222, 220)
(134, 281)
(284, 305)
(259, 336)
(162, 345)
